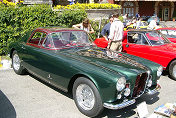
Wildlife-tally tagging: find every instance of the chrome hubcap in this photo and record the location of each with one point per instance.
(85, 97)
(16, 62)
(174, 71)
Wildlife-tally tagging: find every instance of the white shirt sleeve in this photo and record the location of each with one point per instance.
(112, 29)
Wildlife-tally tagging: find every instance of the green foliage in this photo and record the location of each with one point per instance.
(71, 17)
(120, 18)
(95, 26)
(15, 22)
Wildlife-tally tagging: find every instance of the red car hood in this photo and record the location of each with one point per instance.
(172, 40)
(169, 48)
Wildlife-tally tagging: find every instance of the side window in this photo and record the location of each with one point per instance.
(42, 38)
(141, 40)
(144, 41)
(48, 43)
(137, 38)
(132, 38)
(37, 38)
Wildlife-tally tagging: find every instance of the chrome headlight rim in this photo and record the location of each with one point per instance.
(159, 71)
(149, 83)
(121, 82)
(127, 92)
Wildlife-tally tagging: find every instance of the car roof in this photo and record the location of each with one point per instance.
(55, 29)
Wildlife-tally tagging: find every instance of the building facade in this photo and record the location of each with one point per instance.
(163, 9)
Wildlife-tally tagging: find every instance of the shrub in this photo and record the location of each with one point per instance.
(15, 22)
(71, 17)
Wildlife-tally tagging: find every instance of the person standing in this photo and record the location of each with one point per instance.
(153, 25)
(116, 34)
(85, 25)
(106, 29)
(139, 23)
(137, 16)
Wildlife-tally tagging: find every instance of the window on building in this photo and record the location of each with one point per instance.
(128, 8)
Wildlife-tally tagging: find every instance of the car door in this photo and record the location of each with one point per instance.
(55, 65)
(137, 45)
(32, 51)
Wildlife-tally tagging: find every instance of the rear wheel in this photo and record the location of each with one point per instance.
(16, 64)
(172, 70)
(87, 97)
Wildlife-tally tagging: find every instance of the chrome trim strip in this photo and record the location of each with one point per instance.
(119, 106)
(151, 92)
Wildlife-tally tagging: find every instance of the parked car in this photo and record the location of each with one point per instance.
(148, 44)
(144, 25)
(169, 32)
(97, 78)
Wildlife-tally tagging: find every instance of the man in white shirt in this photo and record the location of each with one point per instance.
(116, 34)
(153, 24)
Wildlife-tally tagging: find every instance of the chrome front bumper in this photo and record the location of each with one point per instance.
(151, 92)
(119, 106)
(130, 102)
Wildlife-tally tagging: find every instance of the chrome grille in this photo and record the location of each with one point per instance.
(140, 84)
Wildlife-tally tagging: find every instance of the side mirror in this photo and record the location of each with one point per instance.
(127, 45)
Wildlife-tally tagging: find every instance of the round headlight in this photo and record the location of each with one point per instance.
(121, 82)
(127, 92)
(160, 70)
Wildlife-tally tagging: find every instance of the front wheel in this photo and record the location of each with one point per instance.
(16, 64)
(87, 97)
(172, 70)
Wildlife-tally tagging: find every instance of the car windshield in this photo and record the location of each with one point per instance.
(156, 38)
(169, 33)
(67, 39)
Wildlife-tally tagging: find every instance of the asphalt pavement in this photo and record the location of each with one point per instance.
(28, 97)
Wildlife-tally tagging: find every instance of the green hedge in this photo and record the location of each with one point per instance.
(15, 22)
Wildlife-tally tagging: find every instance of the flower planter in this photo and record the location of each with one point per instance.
(96, 14)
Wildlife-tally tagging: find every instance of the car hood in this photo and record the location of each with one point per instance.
(169, 48)
(107, 59)
(172, 40)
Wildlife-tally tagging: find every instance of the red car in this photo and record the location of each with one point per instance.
(169, 32)
(151, 45)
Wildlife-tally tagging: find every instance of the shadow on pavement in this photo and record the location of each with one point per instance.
(6, 108)
(69, 95)
(130, 110)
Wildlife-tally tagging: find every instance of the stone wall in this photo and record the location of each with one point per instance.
(97, 14)
(38, 2)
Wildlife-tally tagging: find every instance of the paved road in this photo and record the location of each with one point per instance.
(27, 97)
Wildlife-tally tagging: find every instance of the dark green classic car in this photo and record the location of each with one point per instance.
(97, 78)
